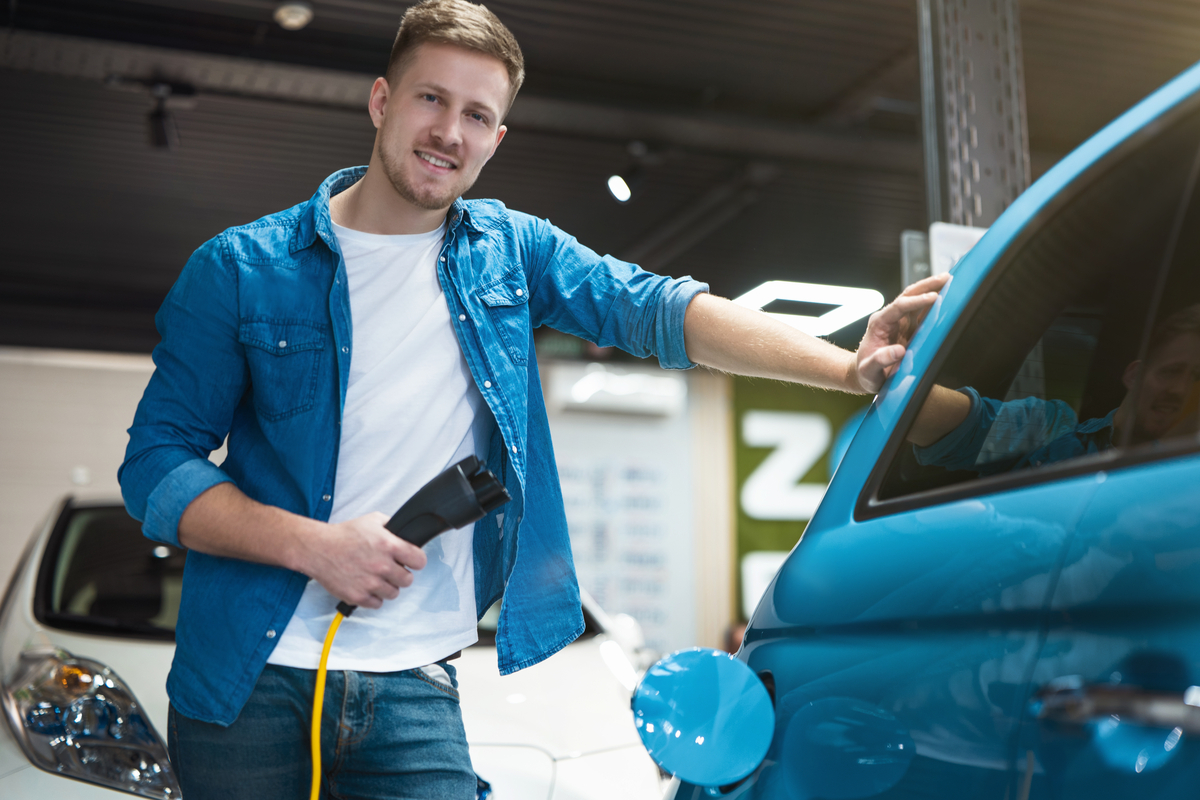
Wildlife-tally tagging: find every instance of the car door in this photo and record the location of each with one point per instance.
(902, 634)
(1115, 707)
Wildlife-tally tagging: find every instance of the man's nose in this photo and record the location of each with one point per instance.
(447, 129)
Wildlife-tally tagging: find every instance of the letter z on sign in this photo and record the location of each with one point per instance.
(774, 491)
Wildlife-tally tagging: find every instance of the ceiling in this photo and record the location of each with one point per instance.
(785, 133)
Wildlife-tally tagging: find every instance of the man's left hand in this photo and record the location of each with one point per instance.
(891, 328)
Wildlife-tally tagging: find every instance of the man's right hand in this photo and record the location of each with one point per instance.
(358, 561)
(361, 562)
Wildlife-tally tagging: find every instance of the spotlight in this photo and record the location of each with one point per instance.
(292, 16)
(619, 188)
(622, 186)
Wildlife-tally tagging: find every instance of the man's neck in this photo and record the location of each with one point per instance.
(373, 206)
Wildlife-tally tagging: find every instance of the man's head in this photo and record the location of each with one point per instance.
(1168, 376)
(463, 24)
(452, 77)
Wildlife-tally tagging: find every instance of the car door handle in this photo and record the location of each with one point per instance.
(1070, 700)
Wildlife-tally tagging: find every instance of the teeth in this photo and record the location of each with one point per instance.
(437, 162)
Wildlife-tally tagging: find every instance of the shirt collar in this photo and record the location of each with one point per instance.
(314, 219)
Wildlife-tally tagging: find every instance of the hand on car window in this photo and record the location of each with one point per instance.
(891, 328)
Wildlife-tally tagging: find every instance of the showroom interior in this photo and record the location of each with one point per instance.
(811, 143)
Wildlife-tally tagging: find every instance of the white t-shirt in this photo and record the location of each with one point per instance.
(412, 409)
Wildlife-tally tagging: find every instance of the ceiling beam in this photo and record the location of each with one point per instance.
(125, 65)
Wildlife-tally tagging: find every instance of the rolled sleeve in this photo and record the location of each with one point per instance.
(174, 494)
(673, 305)
(603, 299)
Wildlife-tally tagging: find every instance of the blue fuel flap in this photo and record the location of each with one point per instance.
(704, 716)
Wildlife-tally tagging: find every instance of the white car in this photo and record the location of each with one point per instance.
(87, 636)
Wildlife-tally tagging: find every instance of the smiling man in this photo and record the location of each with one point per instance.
(351, 348)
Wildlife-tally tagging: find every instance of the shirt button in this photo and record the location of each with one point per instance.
(514, 448)
(520, 292)
(282, 343)
(271, 633)
(487, 384)
(462, 317)
(345, 349)
(326, 497)
(443, 258)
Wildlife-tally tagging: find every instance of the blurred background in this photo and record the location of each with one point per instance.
(765, 141)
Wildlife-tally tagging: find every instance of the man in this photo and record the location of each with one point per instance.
(961, 430)
(352, 347)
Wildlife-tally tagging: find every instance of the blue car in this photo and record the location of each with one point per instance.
(999, 596)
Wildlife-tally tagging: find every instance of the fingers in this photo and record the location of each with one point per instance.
(933, 283)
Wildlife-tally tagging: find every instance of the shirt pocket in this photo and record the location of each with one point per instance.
(507, 302)
(284, 356)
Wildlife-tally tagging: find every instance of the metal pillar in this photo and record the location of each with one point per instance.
(976, 143)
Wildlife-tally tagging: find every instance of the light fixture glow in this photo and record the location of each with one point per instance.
(619, 189)
(292, 16)
(852, 304)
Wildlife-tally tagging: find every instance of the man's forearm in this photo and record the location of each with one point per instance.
(732, 338)
(225, 522)
(358, 560)
(943, 411)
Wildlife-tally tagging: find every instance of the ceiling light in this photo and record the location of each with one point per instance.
(623, 186)
(852, 304)
(619, 189)
(293, 16)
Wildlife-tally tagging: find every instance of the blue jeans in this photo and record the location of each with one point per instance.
(383, 735)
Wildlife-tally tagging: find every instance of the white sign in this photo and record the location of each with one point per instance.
(949, 243)
(774, 491)
(852, 304)
(758, 570)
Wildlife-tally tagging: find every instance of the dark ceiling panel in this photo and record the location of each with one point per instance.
(96, 223)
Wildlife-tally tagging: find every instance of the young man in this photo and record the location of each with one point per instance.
(352, 347)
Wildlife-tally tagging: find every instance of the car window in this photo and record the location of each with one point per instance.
(101, 575)
(1037, 374)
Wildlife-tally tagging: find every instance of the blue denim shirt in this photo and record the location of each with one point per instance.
(999, 437)
(256, 343)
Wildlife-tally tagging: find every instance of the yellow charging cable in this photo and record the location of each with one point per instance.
(318, 702)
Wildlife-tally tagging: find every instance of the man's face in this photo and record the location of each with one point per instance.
(1171, 373)
(440, 122)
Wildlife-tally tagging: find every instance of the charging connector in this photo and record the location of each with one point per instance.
(460, 495)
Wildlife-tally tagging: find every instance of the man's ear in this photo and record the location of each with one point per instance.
(1130, 375)
(377, 103)
(503, 129)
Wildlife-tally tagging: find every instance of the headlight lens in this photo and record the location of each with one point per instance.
(74, 716)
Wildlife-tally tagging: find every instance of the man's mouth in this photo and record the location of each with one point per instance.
(437, 162)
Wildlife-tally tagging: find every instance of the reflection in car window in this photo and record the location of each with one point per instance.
(1051, 364)
(101, 575)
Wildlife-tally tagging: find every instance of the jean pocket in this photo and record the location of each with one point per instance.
(507, 301)
(436, 675)
(284, 356)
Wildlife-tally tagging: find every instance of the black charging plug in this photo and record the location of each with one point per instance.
(462, 494)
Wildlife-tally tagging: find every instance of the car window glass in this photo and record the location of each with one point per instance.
(1163, 406)
(1036, 376)
(106, 577)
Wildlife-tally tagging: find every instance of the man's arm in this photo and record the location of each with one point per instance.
(358, 561)
(732, 338)
(943, 411)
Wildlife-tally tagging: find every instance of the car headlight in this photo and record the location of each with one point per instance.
(75, 717)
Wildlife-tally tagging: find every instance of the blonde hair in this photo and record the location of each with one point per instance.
(460, 23)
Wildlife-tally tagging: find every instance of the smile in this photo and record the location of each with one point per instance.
(437, 162)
